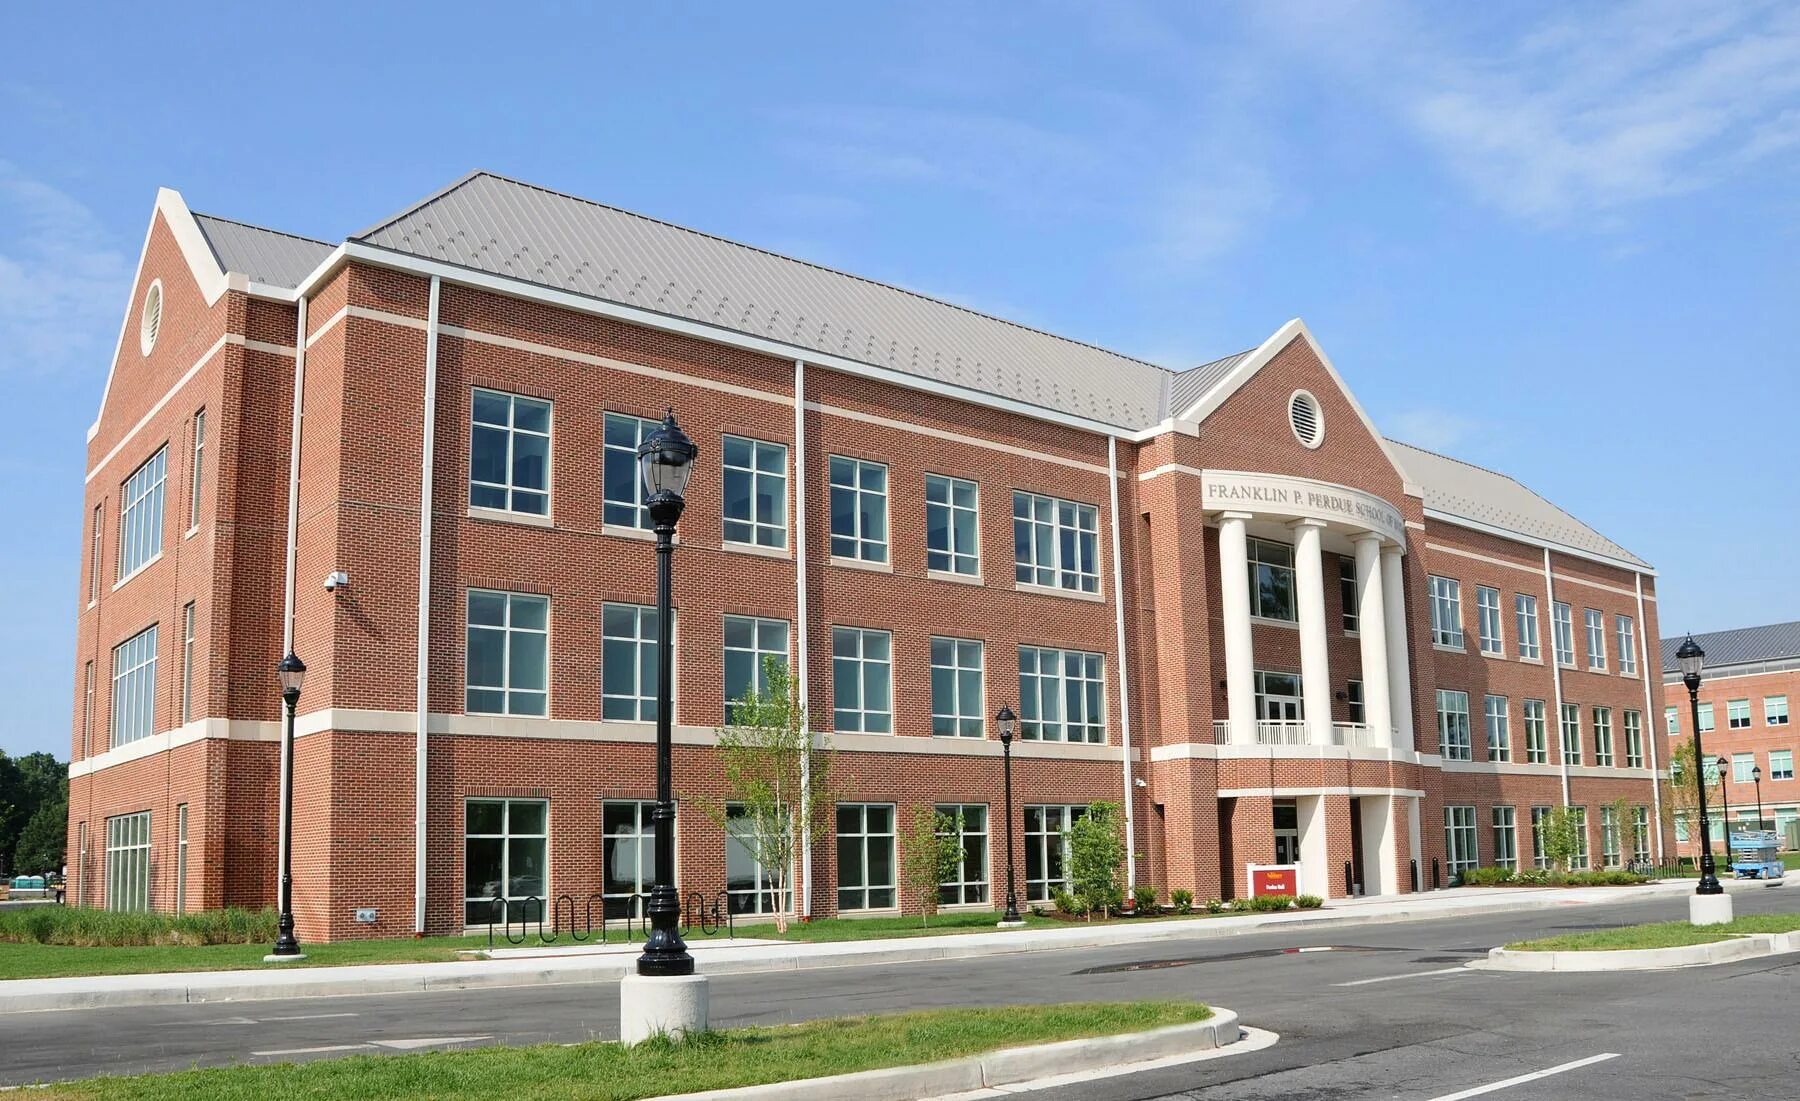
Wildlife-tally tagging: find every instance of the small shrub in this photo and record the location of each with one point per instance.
(1065, 902)
(88, 928)
(1182, 899)
(1487, 877)
(1037, 910)
(1264, 904)
(1144, 898)
(1308, 902)
(1216, 906)
(1532, 877)
(1238, 905)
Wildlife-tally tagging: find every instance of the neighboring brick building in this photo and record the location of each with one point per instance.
(1230, 599)
(1751, 675)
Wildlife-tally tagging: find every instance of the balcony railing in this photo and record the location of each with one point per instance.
(1294, 732)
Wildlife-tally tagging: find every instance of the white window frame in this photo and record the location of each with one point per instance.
(1525, 622)
(141, 515)
(134, 688)
(1454, 737)
(95, 554)
(1781, 764)
(1671, 721)
(1611, 839)
(87, 710)
(1583, 857)
(1569, 727)
(1624, 630)
(1350, 595)
(1603, 737)
(961, 714)
(1446, 611)
(187, 662)
(763, 897)
(506, 836)
(1775, 710)
(1462, 852)
(1741, 764)
(511, 489)
(1539, 858)
(1487, 620)
(1496, 712)
(949, 498)
(846, 482)
(1737, 714)
(1707, 721)
(850, 652)
(1633, 724)
(181, 857)
(640, 837)
(1562, 631)
(1054, 519)
(128, 862)
(1534, 714)
(1042, 686)
(1273, 558)
(615, 511)
(1595, 621)
(964, 889)
(760, 647)
(638, 705)
(506, 629)
(1640, 835)
(197, 470)
(770, 533)
(868, 895)
(1050, 837)
(1506, 836)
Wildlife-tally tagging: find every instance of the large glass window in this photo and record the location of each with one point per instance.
(755, 492)
(128, 862)
(627, 855)
(1737, 714)
(749, 642)
(1459, 841)
(509, 454)
(956, 672)
(865, 856)
(1487, 619)
(197, 469)
(134, 688)
(1741, 766)
(1781, 764)
(508, 669)
(1609, 836)
(1640, 835)
(1596, 639)
(859, 510)
(1571, 733)
(1580, 859)
(1706, 718)
(1540, 817)
(505, 860)
(1506, 841)
(1775, 710)
(750, 887)
(862, 679)
(1453, 726)
(1671, 720)
(1634, 739)
(1347, 594)
(622, 483)
(1047, 849)
(1627, 644)
(1272, 580)
(628, 662)
(1537, 750)
(1055, 543)
(1562, 629)
(952, 533)
(1603, 737)
(1525, 624)
(1496, 711)
(1059, 695)
(1446, 611)
(141, 514)
(969, 884)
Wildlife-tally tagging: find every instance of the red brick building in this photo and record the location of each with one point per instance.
(1751, 673)
(1218, 596)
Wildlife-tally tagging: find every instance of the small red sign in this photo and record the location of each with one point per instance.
(1274, 881)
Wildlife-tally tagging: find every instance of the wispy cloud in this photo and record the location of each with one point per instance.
(62, 280)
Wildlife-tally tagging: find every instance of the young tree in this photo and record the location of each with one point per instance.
(777, 774)
(1681, 794)
(1562, 837)
(1096, 849)
(932, 853)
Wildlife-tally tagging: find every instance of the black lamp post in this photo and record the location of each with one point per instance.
(1722, 764)
(1692, 660)
(665, 459)
(1007, 723)
(292, 672)
(1756, 778)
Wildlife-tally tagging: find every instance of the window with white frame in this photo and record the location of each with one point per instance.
(622, 483)
(1742, 765)
(1709, 770)
(1525, 626)
(134, 688)
(1055, 542)
(1681, 826)
(1775, 710)
(509, 453)
(1347, 594)
(506, 865)
(627, 855)
(1353, 702)
(1506, 838)
(751, 887)
(1640, 835)
(1603, 739)
(1580, 859)
(956, 687)
(751, 642)
(1623, 631)
(1459, 841)
(1487, 619)
(1496, 711)
(1272, 580)
(1047, 849)
(196, 469)
(1453, 725)
(1446, 611)
(94, 553)
(1537, 742)
(865, 857)
(1540, 817)
(1562, 630)
(507, 671)
(1634, 739)
(1571, 733)
(859, 510)
(187, 662)
(1609, 836)
(969, 883)
(862, 680)
(141, 514)
(87, 709)
(1737, 714)
(1596, 639)
(628, 673)
(1706, 718)
(1060, 695)
(1671, 720)
(181, 857)
(128, 862)
(1781, 764)
(755, 492)
(952, 527)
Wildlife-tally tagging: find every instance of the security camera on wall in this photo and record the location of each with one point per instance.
(336, 580)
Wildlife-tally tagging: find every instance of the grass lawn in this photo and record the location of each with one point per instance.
(608, 1072)
(1667, 934)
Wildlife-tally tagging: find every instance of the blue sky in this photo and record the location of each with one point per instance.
(1556, 240)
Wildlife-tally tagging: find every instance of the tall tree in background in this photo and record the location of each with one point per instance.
(31, 785)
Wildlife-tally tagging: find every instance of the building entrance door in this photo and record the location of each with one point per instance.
(1278, 697)
(1287, 833)
(1356, 847)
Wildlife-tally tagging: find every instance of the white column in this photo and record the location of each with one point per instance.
(1399, 665)
(1234, 597)
(1372, 633)
(1315, 656)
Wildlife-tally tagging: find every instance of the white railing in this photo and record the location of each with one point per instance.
(1281, 732)
(1352, 734)
(1222, 731)
(1295, 732)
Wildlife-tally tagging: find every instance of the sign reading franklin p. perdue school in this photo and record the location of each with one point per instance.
(1300, 498)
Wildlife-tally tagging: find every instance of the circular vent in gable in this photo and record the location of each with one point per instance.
(1306, 418)
(151, 321)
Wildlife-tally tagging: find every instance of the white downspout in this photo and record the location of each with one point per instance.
(293, 526)
(1556, 675)
(1118, 584)
(421, 739)
(1649, 726)
(806, 839)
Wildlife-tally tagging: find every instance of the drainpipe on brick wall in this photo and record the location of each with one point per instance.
(805, 906)
(1118, 584)
(1647, 727)
(421, 739)
(1556, 674)
(293, 523)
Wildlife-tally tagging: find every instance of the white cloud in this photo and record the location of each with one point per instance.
(62, 280)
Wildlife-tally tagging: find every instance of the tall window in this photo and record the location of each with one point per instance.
(1537, 750)
(969, 884)
(509, 453)
(1446, 611)
(87, 710)
(1059, 695)
(508, 669)
(1525, 623)
(622, 483)
(1737, 714)
(1506, 840)
(79, 894)
(141, 515)
(505, 860)
(1453, 725)
(1781, 764)
(628, 662)
(952, 533)
(1580, 859)
(750, 641)
(1634, 739)
(1596, 639)
(1640, 835)
(755, 492)
(1706, 718)
(1609, 836)
(1272, 580)
(859, 510)
(862, 679)
(1347, 594)
(1056, 543)
(1496, 712)
(1540, 817)
(1671, 720)
(1741, 766)
(1571, 734)
(1353, 701)
(1459, 841)
(750, 887)
(187, 662)
(865, 856)
(1603, 738)
(956, 672)
(1622, 629)
(1775, 710)
(134, 688)
(1487, 608)
(198, 468)
(1562, 627)
(1047, 849)
(181, 857)
(627, 855)
(128, 862)
(94, 554)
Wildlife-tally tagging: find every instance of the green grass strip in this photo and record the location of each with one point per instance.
(1667, 934)
(608, 1072)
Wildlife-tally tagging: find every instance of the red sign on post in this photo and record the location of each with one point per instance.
(1274, 879)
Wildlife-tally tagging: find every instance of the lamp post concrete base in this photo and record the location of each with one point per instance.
(672, 1005)
(1020, 924)
(1709, 909)
(295, 958)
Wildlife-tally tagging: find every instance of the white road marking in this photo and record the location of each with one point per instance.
(216, 1021)
(312, 1050)
(309, 1017)
(427, 1041)
(1477, 1091)
(1408, 975)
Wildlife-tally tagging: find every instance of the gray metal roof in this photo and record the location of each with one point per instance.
(1187, 387)
(1486, 497)
(266, 256)
(1740, 645)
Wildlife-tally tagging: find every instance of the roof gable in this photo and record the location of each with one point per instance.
(1740, 645)
(262, 255)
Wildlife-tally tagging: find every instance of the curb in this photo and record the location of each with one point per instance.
(995, 1068)
(1745, 946)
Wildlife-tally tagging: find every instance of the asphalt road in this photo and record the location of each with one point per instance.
(1384, 1011)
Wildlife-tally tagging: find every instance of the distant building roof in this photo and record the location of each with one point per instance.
(265, 255)
(1740, 645)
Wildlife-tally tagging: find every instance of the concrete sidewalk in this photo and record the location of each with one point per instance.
(584, 964)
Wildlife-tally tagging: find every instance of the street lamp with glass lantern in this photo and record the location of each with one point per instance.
(292, 674)
(1722, 763)
(1007, 723)
(1692, 661)
(1756, 779)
